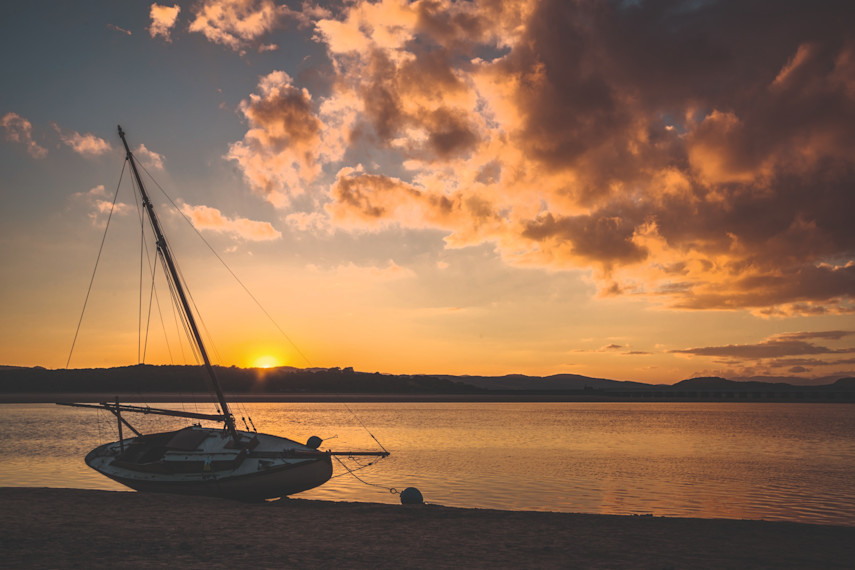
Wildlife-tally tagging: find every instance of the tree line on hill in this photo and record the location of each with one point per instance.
(142, 379)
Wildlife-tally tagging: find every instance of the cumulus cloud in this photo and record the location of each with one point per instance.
(700, 169)
(163, 19)
(211, 219)
(87, 145)
(101, 204)
(20, 130)
(282, 150)
(236, 23)
(149, 158)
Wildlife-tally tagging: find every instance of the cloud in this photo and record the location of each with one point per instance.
(149, 158)
(87, 145)
(795, 352)
(283, 148)
(163, 19)
(118, 29)
(805, 362)
(778, 346)
(363, 200)
(314, 222)
(701, 170)
(352, 275)
(236, 23)
(20, 130)
(211, 219)
(101, 204)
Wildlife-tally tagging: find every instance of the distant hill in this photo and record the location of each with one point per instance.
(716, 383)
(144, 379)
(556, 382)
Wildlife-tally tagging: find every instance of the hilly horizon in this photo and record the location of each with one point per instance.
(168, 378)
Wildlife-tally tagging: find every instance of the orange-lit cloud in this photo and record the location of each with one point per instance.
(352, 273)
(211, 219)
(87, 145)
(796, 352)
(119, 29)
(788, 344)
(101, 204)
(283, 148)
(236, 23)
(634, 140)
(20, 130)
(163, 19)
(149, 158)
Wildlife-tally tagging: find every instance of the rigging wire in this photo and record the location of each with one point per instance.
(152, 267)
(352, 472)
(139, 317)
(151, 300)
(97, 260)
(145, 263)
(183, 318)
(364, 427)
(160, 314)
(212, 345)
(229, 269)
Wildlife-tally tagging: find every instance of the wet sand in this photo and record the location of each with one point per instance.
(69, 528)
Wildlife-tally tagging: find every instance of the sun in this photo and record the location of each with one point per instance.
(266, 361)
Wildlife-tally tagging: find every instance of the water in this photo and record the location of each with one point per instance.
(790, 462)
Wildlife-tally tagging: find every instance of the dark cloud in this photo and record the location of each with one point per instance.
(604, 239)
(830, 335)
(830, 286)
(777, 347)
(750, 102)
(804, 362)
(699, 153)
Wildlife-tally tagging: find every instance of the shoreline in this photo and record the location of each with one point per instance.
(64, 528)
(320, 397)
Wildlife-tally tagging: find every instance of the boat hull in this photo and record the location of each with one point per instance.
(206, 462)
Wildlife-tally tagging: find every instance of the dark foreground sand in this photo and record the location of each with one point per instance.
(64, 528)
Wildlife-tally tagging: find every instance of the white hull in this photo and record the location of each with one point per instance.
(206, 461)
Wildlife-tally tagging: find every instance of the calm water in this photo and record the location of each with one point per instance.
(754, 461)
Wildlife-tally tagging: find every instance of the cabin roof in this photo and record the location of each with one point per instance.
(186, 439)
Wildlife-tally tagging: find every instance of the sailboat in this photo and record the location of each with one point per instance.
(195, 460)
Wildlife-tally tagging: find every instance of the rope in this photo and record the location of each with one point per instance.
(350, 471)
(229, 269)
(364, 427)
(95, 270)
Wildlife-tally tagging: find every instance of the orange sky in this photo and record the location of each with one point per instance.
(627, 189)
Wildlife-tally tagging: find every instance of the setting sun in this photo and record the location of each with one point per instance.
(266, 361)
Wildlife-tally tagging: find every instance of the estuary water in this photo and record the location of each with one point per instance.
(793, 462)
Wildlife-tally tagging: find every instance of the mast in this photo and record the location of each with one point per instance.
(163, 248)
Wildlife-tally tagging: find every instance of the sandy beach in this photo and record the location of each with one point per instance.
(68, 528)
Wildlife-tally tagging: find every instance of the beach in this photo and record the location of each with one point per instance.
(70, 528)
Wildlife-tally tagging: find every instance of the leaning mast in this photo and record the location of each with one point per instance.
(163, 248)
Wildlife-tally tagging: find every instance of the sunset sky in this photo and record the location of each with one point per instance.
(639, 190)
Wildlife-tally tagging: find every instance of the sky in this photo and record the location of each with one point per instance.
(640, 190)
